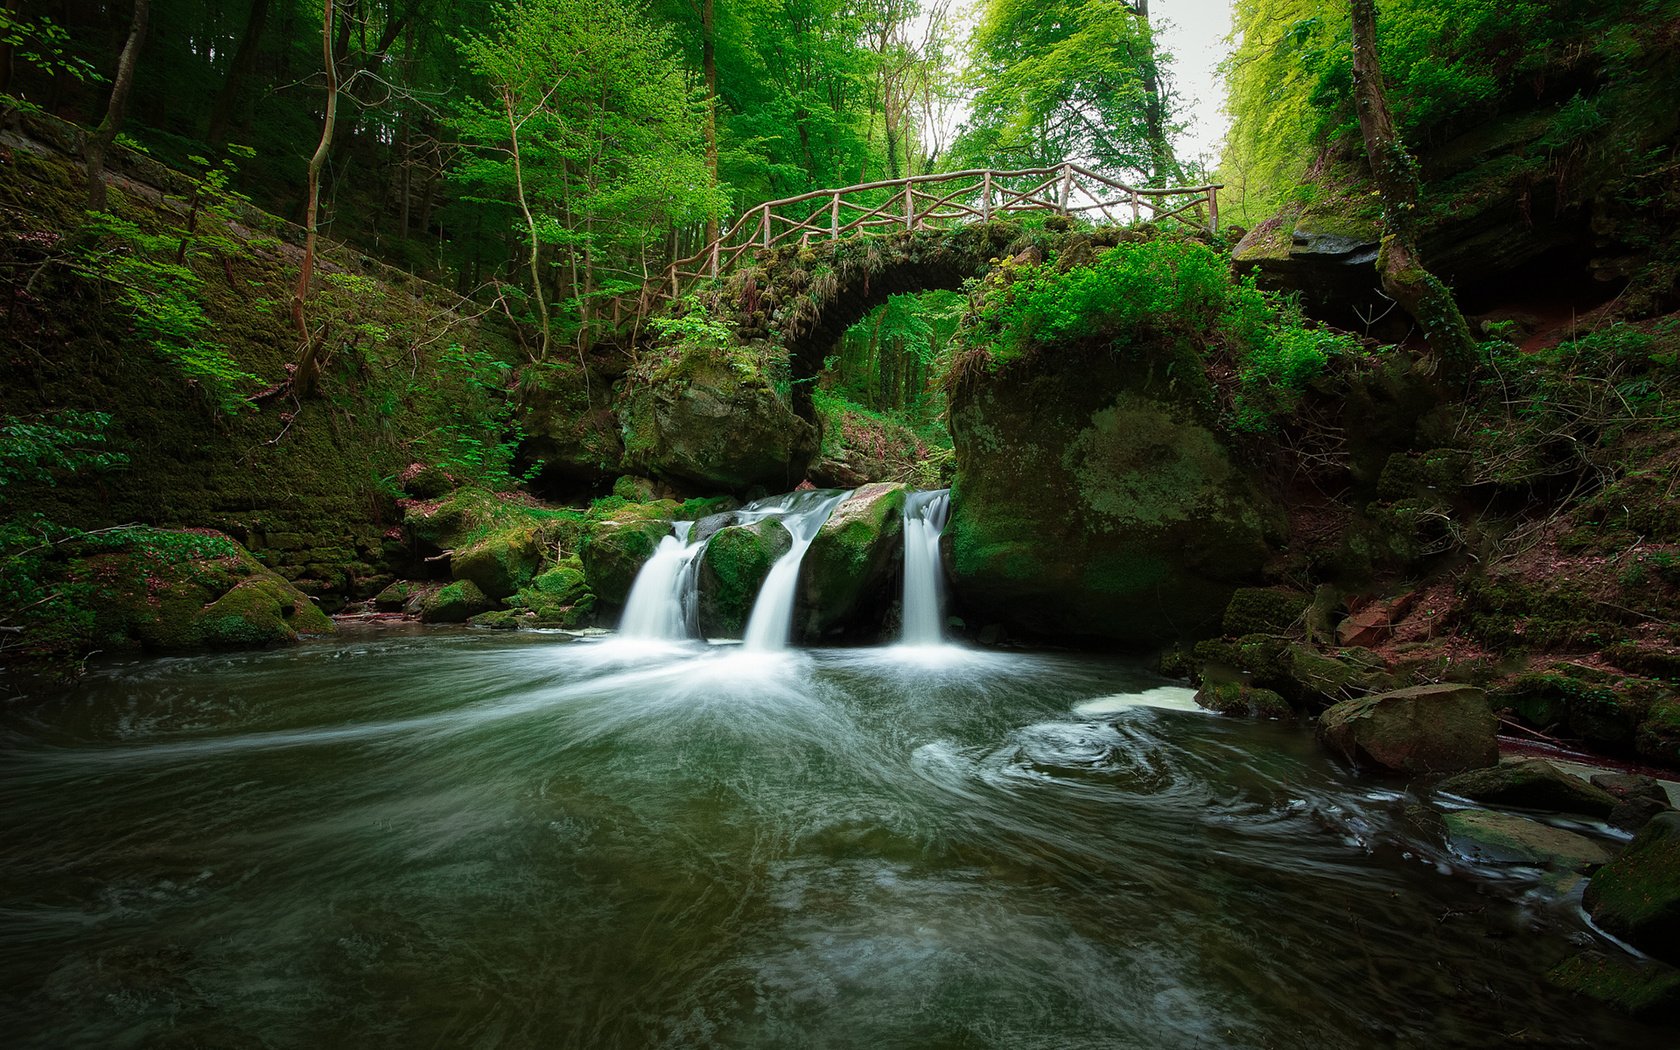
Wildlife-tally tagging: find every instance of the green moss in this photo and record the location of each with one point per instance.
(501, 562)
(455, 603)
(1637, 896)
(615, 551)
(1235, 698)
(1647, 990)
(1254, 610)
(732, 570)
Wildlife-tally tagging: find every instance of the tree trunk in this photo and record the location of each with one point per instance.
(1394, 172)
(1162, 167)
(11, 8)
(244, 58)
(308, 363)
(99, 143)
(530, 224)
(708, 65)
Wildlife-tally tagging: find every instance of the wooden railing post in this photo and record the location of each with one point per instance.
(1136, 211)
(764, 225)
(716, 245)
(909, 207)
(834, 216)
(1213, 209)
(1067, 188)
(986, 199)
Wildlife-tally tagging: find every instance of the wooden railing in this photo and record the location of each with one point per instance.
(924, 201)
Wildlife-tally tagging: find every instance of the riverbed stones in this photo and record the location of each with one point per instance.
(615, 552)
(1638, 798)
(1429, 729)
(1531, 783)
(1235, 698)
(1509, 838)
(732, 571)
(849, 569)
(1637, 896)
(1645, 989)
(455, 603)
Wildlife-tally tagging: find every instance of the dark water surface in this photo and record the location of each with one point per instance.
(462, 839)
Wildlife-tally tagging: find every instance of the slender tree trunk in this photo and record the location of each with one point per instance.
(530, 225)
(1163, 167)
(239, 69)
(99, 143)
(11, 8)
(708, 65)
(308, 363)
(1394, 171)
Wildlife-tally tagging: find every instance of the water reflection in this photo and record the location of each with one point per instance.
(465, 839)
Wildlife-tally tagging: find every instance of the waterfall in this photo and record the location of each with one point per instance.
(924, 577)
(803, 514)
(662, 604)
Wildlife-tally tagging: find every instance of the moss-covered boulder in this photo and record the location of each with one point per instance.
(1264, 610)
(501, 562)
(1531, 783)
(174, 591)
(615, 552)
(456, 603)
(1507, 838)
(1644, 989)
(1426, 729)
(1637, 896)
(846, 580)
(1235, 698)
(1658, 735)
(399, 596)
(732, 569)
(559, 597)
(1638, 798)
(1095, 499)
(709, 417)
(499, 619)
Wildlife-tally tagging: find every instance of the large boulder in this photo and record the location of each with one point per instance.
(616, 551)
(1095, 499)
(1427, 729)
(1532, 783)
(500, 563)
(846, 578)
(1637, 895)
(455, 603)
(170, 591)
(732, 569)
(1507, 838)
(702, 420)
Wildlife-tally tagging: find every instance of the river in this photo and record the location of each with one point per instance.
(457, 838)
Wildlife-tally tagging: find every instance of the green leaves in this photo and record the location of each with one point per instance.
(43, 448)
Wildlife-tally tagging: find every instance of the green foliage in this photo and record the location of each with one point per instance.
(154, 281)
(1164, 284)
(1064, 79)
(1166, 287)
(44, 45)
(479, 436)
(42, 448)
(1446, 64)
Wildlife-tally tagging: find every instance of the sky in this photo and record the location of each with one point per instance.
(1194, 32)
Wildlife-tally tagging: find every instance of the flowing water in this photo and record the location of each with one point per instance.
(661, 605)
(450, 838)
(924, 574)
(803, 514)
